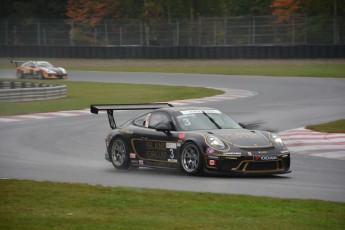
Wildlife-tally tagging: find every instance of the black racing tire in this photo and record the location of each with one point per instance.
(191, 159)
(39, 75)
(19, 74)
(119, 154)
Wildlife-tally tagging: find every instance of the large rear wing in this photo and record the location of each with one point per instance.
(17, 62)
(111, 107)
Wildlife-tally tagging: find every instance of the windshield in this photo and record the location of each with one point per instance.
(189, 120)
(44, 64)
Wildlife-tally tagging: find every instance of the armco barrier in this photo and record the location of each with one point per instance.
(178, 52)
(24, 91)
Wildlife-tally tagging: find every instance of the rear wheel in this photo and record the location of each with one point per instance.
(119, 155)
(191, 161)
(19, 74)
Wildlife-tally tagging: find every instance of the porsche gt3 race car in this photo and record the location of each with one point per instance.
(39, 70)
(194, 139)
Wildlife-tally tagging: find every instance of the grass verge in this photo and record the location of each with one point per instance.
(328, 68)
(82, 94)
(330, 127)
(47, 205)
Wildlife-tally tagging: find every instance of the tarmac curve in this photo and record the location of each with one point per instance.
(71, 149)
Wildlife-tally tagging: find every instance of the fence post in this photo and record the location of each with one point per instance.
(6, 33)
(253, 31)
(215, 33)
(44, 36)
(293, 30)
(275, 30)
(141, 33)
(335, 26)
(249, 31)
(305, 29)
(38, 32)
(106, 32)
(199, 31)
(120, 34)
(71, 34)
(225, 30)
(95, 35)
(177, 33)
(15, 39)
(147, 34)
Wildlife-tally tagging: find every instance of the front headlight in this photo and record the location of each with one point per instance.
(215, 142)
(277, 140)
(62, 70)
(49, 71)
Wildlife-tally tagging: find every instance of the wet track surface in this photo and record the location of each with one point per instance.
(71, 149)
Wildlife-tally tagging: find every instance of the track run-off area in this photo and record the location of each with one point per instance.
(300, 141)
(68, 146)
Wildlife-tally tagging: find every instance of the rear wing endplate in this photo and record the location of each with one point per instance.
(111, 107)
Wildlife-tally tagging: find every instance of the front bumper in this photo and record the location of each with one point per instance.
(248, 165)
(55, 76)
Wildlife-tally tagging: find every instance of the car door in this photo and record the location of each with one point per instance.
(32, 68)
(157, 148)
(26, 69)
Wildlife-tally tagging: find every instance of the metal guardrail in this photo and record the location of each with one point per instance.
(25, 91)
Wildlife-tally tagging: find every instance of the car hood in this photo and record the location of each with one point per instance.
(53, 68)
(244, 138)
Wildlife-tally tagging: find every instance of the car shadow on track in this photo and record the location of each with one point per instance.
(175, 172)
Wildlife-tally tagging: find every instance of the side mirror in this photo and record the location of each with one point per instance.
(242, 125)
(164, 127)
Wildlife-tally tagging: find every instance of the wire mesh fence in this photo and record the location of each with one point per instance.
(227, 31)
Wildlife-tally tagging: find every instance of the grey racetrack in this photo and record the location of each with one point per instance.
(72, 149)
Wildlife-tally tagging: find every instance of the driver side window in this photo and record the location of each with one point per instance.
(140, 121)
(158, 118)
(32, 65)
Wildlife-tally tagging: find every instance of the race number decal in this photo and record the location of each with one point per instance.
(171, 152)
(186, 122)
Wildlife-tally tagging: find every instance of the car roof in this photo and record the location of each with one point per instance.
(35, 61)
(183, 108)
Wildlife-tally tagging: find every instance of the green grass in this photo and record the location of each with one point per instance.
(48, 205)
(330, 127)
(82, 94)
(315, 70)
(327, 68)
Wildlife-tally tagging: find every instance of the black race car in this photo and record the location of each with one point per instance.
(194, 139)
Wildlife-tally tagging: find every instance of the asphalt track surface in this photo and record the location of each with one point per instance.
(71, 149)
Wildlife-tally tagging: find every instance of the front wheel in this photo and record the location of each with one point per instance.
(190, 159)
(39, 75)
(119, 155)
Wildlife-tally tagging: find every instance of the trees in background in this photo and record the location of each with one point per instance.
(325, 16)
(23, 9)
(94, 10)
(92, 16)
(323, 8)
